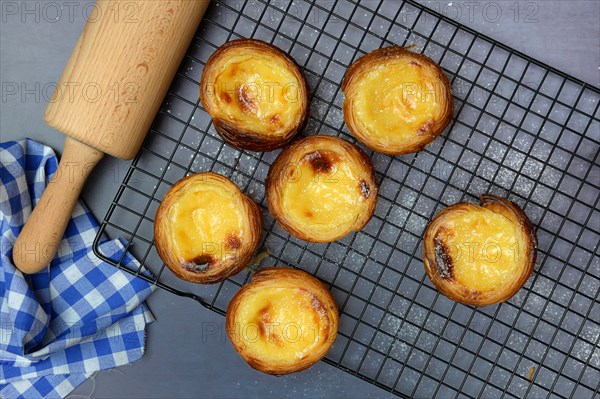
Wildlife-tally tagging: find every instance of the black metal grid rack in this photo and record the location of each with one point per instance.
(521, 130)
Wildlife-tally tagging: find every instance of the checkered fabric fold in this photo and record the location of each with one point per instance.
(81, 315)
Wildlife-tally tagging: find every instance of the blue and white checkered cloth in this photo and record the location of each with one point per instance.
(81, 315)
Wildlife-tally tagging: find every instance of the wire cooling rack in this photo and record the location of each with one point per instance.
(521, 130)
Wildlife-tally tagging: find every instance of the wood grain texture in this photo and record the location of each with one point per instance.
(120, 71)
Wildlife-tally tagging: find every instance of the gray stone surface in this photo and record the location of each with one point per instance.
(182, 360)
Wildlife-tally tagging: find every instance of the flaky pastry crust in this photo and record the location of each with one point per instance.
(255, 93)
(206, 229)
(282, 322)
(321, 188)
(396, 101)
(480, 255)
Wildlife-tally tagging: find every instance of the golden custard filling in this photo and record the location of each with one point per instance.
(324, 192)
(258, 93)
(396, 99)
(280, 324)
(206, 225)
(479, 249)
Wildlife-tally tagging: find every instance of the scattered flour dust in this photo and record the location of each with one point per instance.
(399, 349)
(595, 359)
(394, 323)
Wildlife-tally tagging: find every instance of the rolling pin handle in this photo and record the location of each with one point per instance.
(40, 238)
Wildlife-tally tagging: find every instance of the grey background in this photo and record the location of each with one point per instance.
(183, 359)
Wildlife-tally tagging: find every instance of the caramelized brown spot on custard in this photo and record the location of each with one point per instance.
(274, 120)
(263, 319)
(318, 306)
(319, 162)
(225, 97)
(249, 103)
(232, 242)
(199, 264)
(233, 70)
(264, 329)
(443, 259)
(308, 213)
(426, 128)
(365, 190)
(320, 311)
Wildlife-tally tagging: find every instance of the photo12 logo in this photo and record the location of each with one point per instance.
(27, 11)
(51, 92)
(488, 11)
(275, 332)
(488, 252)
(249, 95)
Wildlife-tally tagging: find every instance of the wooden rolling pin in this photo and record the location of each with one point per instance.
(106, 100)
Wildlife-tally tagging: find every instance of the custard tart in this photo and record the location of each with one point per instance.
(255, 94)
(284, 321)
(205, 229)
(396, 101)
(480, 255)
(321, 188)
